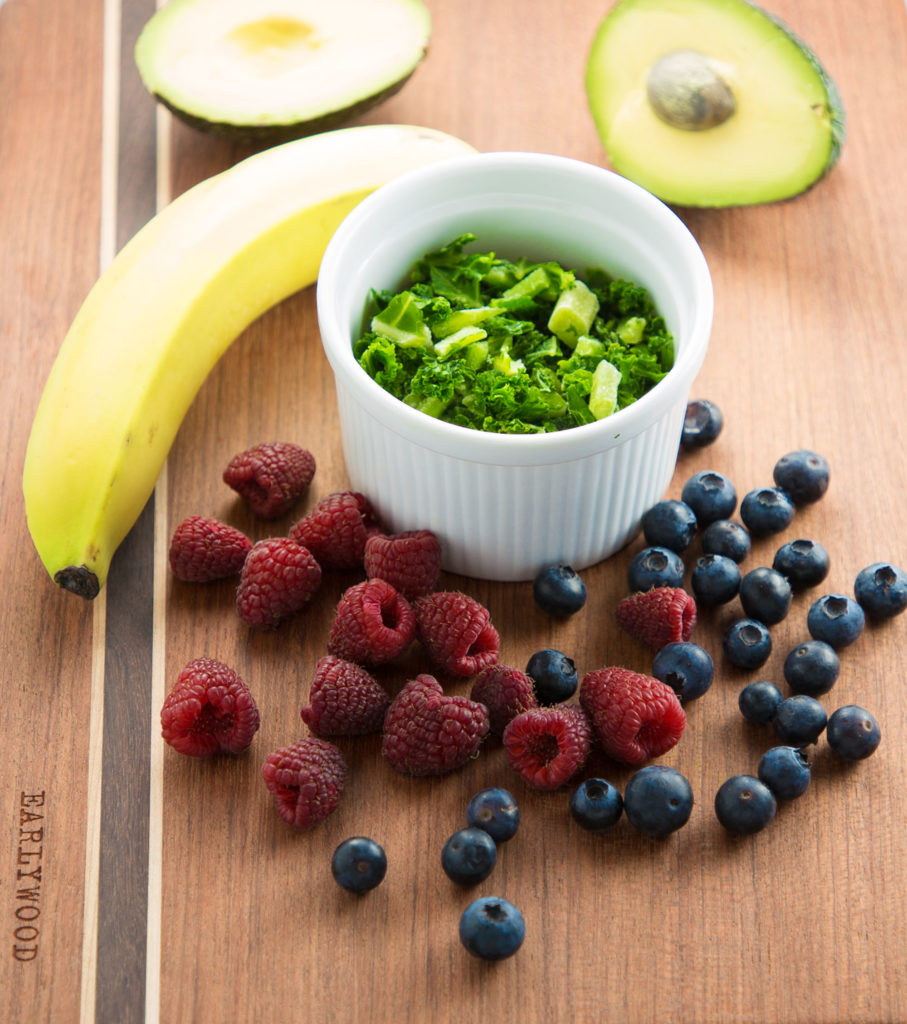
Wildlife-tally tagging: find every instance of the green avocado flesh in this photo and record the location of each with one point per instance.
(266, 71)
(711, 103)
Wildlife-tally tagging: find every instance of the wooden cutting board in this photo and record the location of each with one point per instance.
(139, 885)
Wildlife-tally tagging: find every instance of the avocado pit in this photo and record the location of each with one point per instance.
(686, 90)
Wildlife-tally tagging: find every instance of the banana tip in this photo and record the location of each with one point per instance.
(78, 579)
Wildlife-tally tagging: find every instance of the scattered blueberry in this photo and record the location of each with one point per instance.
(853, 733)
(836, 619)
(812, 668)
(759, 701)
(702, 423)
(596, 805)
(765, 595)
(786, 771)
(803, 475)
(492, 928)
(553, 675)
(655, 567)
(725, 537)
(495, 810)
(881, 590)
(744, 805)
(658, 800)
(670, 524)
(799, 720)
(559, 590)
(359, 864)
(803, 562)
(469, 856)
(686, 667)
(766, 510)
(715, 579)
(710, 495)
(747, 643)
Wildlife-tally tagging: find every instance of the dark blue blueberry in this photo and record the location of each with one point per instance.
(596, 805)
(359, 864)
(836, 619)
(725, 537)
(759, 701)
(554, 676)
(812, 668)
(670, 524)
(803, 562)
(744, 805)
(786, 771)
(715, 579)
(686, 667)
(655, 567)
(559, 590)
(802, 475)
(492, 928)
(495, 810)
(469, 856)
(853, 733)
(702, 423)
(766, 510)
(765, 595)
(710, 495)
(658, 800)
(747, 643)
(799, 720)
(881, 590)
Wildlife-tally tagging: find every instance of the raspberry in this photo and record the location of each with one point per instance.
(410, 561)
(456, 631)
(505, 691)
(278, 579)
(635, 717)
(429, 733)
(373, 624)
(336, 529)
(548, 746)
(306, 780)
(657, 617)
(271, 477)
(344, 700)
(209, 710)
(204, 549)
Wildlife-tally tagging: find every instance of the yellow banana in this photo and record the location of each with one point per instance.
(166, 309)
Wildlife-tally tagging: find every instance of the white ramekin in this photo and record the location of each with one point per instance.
(505, 505)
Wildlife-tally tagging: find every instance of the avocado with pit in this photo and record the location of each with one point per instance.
(712, 103)
(266, 71)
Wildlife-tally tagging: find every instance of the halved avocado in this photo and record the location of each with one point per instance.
(711, 102)
(266, 71)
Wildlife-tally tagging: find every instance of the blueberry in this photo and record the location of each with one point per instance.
(765, 595)
(766, 510)
(559, 590)
(596, 805)
(670, 524)
(714, 580)
(686, 667)
(799, 720)
(744, 805)
(747, 643)
(786, 771)
(492, 928)
(495, 810)
(803, 475)
(710, 495)
(725, 537)
(803, 562)
(853, 733)
(836, 619)
(359, 864)
(655, 567)
(469, 856)
(702, 423)
(554, 676)
(658, 800)
(812, 668)
(881, 590)
(759, 701)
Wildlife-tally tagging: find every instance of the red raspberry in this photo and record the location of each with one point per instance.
(429, 733)
(209, 710)
(306, 780)
(456, 631)
(635, 717)
(344, 700)
(271, 477)
(204, 549)
(506, 692)
(658, 617)
(278, 579)
(548, 746)
(336, 529)
(373, 624)
(411, 561)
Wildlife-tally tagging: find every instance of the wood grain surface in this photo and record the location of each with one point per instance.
(137, 885)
